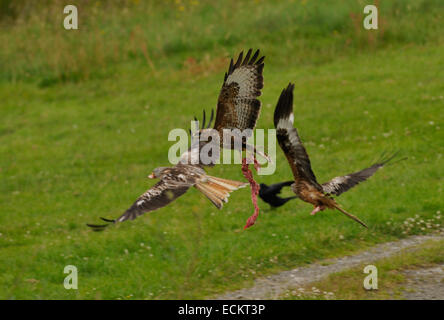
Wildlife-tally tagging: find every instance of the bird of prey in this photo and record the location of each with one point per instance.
(174, 182)
(238, 106)
(238, 109)
(269, 194)
(305, 185)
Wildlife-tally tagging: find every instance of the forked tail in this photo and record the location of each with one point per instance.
(218, 189)
(350, 215)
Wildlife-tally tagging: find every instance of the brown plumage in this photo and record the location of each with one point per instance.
(238, 106)
(238, 109)
(305, 185)
(341, 184)
(174, 182)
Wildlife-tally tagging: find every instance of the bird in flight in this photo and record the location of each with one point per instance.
(174, 182)
(238, 109)
(269, 194)
(305, 185)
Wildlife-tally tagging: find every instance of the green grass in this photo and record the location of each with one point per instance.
(392, 283)
(78, 137)
(161, 35)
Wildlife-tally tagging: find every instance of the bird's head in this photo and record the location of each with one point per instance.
(157, 173)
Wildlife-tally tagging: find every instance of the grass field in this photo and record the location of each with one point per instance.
(347, 285)
(86, 115)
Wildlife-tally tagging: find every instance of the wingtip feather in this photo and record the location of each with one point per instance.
(284, 107)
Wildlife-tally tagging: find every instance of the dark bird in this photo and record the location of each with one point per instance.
(238, 109)
(269, 194)
(238, 106)
(305, 185)
(174, 182)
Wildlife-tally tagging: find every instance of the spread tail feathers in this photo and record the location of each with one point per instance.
(350, 215)
(218, 189)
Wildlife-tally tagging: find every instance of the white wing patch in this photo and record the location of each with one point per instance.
(285, 123)
(339, 180)
(334, 184)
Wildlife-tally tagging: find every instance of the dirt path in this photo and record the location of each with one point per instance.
(425, 284)
(272, 287)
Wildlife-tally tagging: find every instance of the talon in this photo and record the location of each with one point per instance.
(316, 210)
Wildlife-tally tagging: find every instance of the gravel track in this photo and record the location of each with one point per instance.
(273, 286)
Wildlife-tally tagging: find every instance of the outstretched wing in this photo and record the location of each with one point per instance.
(238, 106)
(174, 183)
(290, 141)
(340, 184)
(161, 194)
(276, 187)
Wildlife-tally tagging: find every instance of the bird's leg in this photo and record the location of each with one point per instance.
(317, 209)
(254, 190)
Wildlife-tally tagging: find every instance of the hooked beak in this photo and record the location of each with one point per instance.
(151, 176)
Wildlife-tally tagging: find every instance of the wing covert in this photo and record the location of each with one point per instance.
(238, 106)
(161, 194)
(339, 185)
